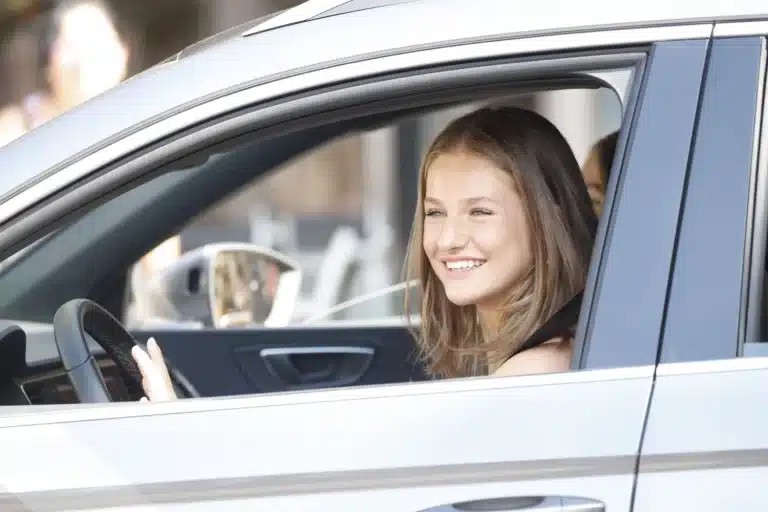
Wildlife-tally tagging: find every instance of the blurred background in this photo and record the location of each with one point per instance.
(343, 211)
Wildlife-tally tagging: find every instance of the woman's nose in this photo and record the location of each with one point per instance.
(453, 235)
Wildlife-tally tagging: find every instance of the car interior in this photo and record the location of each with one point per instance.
(89, 256)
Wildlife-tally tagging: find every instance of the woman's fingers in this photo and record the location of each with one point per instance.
(143, 361)
(155, 378)
(148, 371)
(156, 355)
(157, 358)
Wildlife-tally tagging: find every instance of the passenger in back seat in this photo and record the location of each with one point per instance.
(597, 168)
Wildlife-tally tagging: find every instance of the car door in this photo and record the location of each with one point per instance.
(565, 441)
(705, 442)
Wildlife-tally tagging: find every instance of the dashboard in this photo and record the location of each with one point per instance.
(31, 372)
(53, 386)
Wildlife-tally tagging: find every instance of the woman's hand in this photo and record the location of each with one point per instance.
(156, 380)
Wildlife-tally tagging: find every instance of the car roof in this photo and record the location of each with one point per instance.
(287, 43)
(315, 9)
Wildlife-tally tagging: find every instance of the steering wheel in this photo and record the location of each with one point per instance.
(79, 317)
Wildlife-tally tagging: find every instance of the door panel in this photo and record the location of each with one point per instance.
(706, 443)
(402, 447)
(236, 362)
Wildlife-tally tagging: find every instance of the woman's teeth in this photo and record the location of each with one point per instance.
(463, 265)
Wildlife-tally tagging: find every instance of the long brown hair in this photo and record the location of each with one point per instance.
(562, 224)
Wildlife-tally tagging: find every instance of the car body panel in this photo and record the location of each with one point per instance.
(706, 442)
(315, 9)
(401, 447)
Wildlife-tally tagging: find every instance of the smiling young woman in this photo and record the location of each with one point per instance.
(501, 243)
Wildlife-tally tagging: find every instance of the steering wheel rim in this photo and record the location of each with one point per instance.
(70, 324)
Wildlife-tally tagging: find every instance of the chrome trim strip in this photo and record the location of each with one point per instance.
(225, 489)
(702, 461)
(718, 366)
(290, 351)
(23, 416)
(365, 66)
(754, 252)
(740, 28)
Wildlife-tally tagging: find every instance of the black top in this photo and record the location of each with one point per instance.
(561, 324)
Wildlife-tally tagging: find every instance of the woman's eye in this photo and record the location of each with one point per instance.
(432, 213)
(481, 211)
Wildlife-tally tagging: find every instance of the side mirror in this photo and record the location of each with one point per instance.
(228, 285)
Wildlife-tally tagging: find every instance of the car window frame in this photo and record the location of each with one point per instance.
(634, 237)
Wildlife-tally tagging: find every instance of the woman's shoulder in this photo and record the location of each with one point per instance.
(553, 356)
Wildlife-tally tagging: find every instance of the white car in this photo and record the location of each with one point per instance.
(664, 407)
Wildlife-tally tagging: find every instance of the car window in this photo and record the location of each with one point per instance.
(276, 263)
(335, 210)
(342, 211)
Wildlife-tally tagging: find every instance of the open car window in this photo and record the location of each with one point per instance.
(328, 199)
(327, 208)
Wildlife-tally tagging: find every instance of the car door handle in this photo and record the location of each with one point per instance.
(524, 504)
(312, 367)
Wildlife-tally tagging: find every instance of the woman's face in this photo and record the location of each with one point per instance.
(476, 235)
